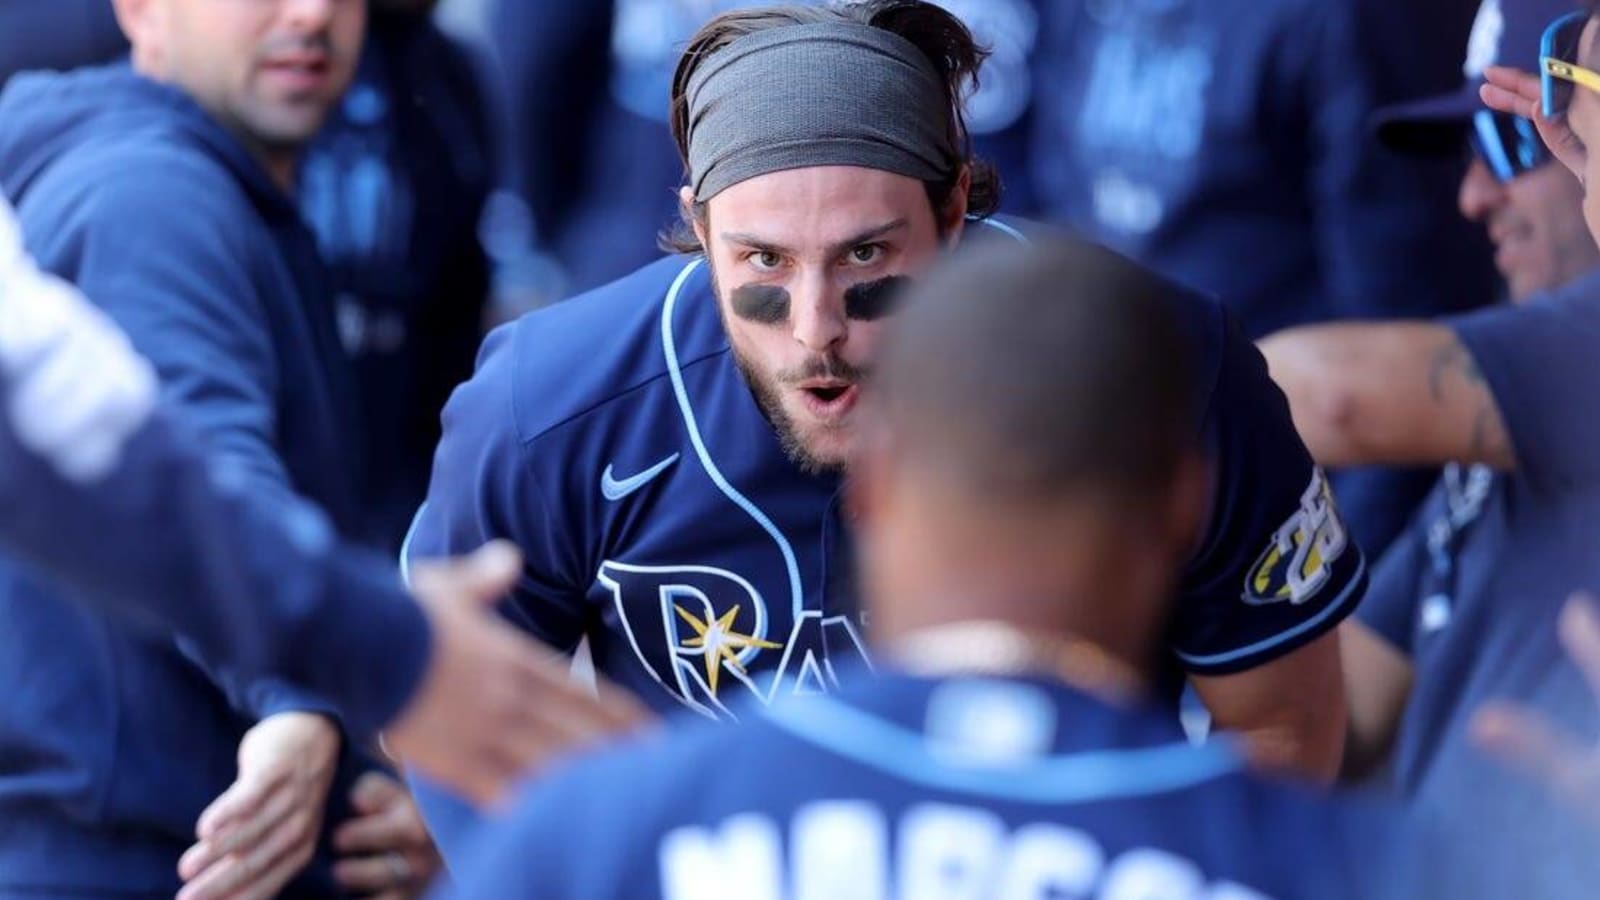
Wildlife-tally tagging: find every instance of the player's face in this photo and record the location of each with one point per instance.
(808, 263)
(1536, 223)
(269, 70)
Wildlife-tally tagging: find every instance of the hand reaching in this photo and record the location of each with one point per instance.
(494, 704)
(263, 830)
(1527, 740)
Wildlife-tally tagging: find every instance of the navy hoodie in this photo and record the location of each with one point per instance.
(112, 739)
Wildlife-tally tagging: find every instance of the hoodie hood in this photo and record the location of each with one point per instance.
(45, 116)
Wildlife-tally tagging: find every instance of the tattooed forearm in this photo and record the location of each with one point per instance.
(1452, 361)
(1465, 407)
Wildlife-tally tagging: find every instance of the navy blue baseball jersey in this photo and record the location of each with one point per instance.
(905, 787)
(613, 438)
(1471, 594)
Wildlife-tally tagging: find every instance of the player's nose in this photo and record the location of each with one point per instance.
(1480, 193)
(817, 313)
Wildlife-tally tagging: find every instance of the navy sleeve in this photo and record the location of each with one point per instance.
(91, 462)
(179, 284)
(1540, 363)
(248, 588)
(1277, 567)
(484, 487)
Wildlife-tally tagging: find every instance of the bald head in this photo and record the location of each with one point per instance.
(1029, 374)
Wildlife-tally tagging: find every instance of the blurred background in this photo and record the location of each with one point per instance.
(498, 155)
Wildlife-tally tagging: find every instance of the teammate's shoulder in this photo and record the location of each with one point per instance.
(581, 356)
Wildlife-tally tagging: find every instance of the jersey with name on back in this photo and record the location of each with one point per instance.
(907, 787)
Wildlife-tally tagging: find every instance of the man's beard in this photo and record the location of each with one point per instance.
(768, 397)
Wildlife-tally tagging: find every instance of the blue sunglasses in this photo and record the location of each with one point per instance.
(1509, 145)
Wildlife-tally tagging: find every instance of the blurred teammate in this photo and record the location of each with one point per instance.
(393, 187)
(1224, 143)
(1024, 519)
(88, 462)
(1564, 103)
(160, 187)
(1463, 610)
(667, 450)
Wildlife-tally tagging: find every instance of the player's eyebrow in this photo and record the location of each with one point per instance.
(756, 242)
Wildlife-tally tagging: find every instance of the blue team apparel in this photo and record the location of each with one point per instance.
(262, 593)
(1226, 144)
(1472, 592)
(926, 788)
(128, 189)
(393, 187)
(613, 438)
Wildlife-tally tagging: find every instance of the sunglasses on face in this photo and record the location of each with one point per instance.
(1508, 145)
(1559, 72)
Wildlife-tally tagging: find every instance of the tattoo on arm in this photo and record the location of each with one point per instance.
(1452, 360)
(1454, 378)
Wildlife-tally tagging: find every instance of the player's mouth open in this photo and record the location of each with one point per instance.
(830, 399)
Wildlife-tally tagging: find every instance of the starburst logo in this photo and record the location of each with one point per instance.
(718, 643)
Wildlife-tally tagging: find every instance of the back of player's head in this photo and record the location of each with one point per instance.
(759, 101)
(1026, 374)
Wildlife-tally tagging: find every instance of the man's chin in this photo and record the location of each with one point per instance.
(816, 449)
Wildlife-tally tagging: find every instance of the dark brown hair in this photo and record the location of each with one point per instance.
(941, 36)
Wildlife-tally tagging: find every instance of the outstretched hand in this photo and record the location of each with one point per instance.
(1526, 740)
(494, 704)
(1517, 92)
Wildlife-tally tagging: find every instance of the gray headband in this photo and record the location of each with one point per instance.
(827, 94)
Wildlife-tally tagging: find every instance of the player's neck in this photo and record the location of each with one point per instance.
(1000, 649)
(1044, 582)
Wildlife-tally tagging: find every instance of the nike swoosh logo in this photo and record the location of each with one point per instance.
(615, 489)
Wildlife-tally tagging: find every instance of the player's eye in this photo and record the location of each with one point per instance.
(764, 260)
(866, 254)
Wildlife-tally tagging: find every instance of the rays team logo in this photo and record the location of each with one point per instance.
(1300, 559)
(706, 635)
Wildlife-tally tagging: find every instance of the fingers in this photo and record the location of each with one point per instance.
(1505, 83)
(1508, 100)
(1526, 740)
(246, 822)
(1518, 93)
(372, 874)
(243, 799)
(375, 792)
(396, 826)
(481, 577)
(261, 869)
(1580, 635)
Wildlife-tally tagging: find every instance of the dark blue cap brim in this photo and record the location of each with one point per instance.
(1433, 126)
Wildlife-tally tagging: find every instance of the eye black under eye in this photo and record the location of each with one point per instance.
(875, 299)
(765, 304)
